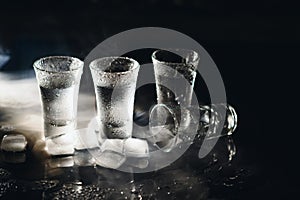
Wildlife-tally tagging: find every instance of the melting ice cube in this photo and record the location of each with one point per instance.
(108, 158)
(14, 143)
(62, 144)
(134, 147)
(116, 145)
(114, 152)
(110, 154)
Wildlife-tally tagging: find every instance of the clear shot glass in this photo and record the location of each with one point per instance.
(58, 79)
(175, 74)
(115, 83)
(204, 124)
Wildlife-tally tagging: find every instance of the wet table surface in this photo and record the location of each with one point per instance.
(222, 174)
(188, 178)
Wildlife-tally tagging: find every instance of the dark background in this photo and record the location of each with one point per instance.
(255, 45)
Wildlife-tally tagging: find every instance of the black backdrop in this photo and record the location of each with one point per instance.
(255, 45)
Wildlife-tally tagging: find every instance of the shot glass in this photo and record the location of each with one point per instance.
(115, 83)
(175, 74)
(58, 79)
(166, 133)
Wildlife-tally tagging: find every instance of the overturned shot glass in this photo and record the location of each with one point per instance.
(58, 79)
(206, 122)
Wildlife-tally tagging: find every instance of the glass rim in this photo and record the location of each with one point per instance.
(98, 68)
(154, 57)
(76, 63)
(166, 107)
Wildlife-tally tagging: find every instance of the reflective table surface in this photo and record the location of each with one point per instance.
(223, 173)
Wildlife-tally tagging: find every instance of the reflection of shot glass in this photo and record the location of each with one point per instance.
(58, 78)
(115, 82)
(175, 73)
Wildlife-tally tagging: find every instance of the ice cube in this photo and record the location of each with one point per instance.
(85, 139)
(116, 145)
(110, 154)
(62, 144)
(83, 158)
(14, 143)
(108, 158)
(134, 147)
(114, 152)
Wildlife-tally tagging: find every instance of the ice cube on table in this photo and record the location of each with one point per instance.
(62, 144)
(108, 158)
(14, 143)
(116, 145)
(110, 154)
(134, 147)
(114, 152)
